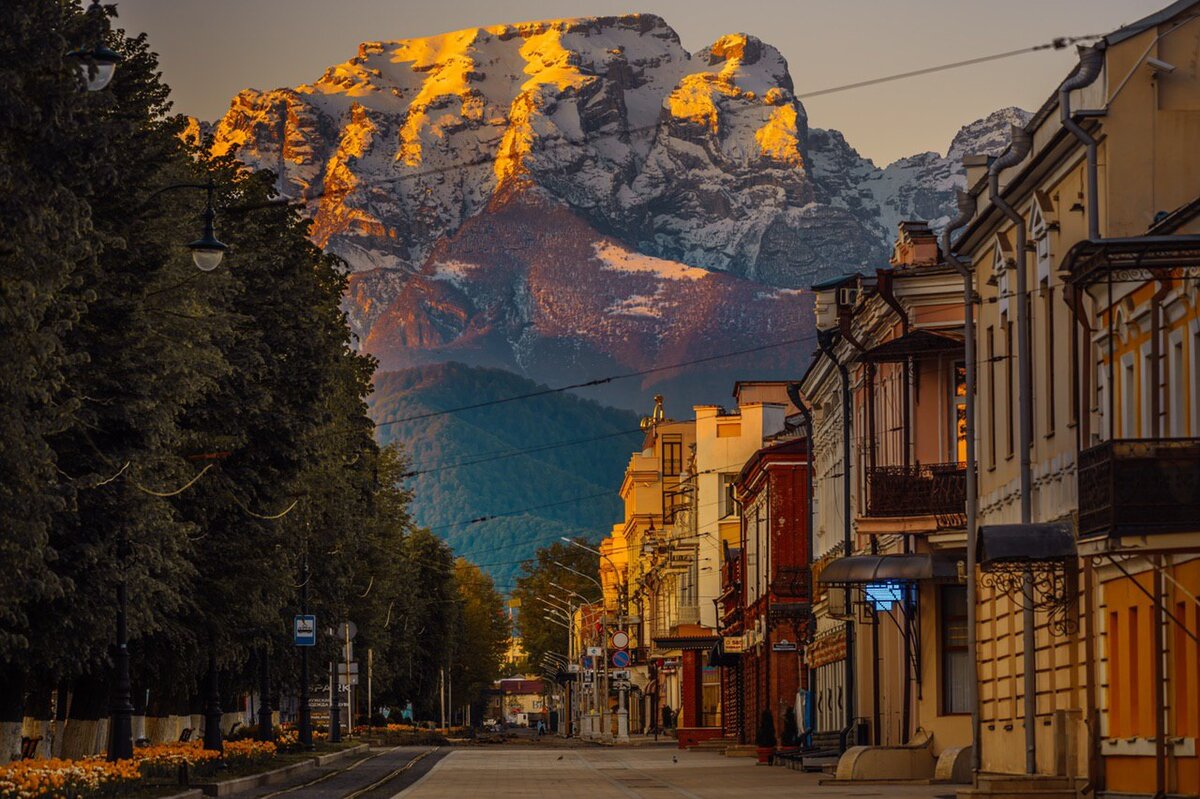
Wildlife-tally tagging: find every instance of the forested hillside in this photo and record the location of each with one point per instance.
(503, 460)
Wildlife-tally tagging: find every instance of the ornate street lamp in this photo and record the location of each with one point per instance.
(98, 63)
(207, 251)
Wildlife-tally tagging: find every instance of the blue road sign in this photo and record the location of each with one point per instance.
(620, 658)
(304, 631)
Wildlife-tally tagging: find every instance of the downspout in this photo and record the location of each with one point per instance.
(887, 292)
(1016, 152)
(825, 344)
(889, 296)
(966, 210)
(1091, 61)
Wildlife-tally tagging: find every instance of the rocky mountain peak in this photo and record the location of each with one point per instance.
(602, 129)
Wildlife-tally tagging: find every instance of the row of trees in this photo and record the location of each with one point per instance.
(560, 574)
(199, 435)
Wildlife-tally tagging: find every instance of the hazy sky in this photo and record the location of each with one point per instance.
(210, 49)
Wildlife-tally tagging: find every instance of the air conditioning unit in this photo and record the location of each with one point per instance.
(847, 295)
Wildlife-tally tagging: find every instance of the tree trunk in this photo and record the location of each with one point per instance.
(62, 702)
(38, 719)
(12, 713)
(86, 718)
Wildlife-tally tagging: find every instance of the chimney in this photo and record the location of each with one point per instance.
(977, 167)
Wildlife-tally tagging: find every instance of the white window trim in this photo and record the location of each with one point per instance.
(1126, 395)
(1176, 401)
(1146, 389)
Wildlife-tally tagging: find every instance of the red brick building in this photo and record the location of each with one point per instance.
(769, 587)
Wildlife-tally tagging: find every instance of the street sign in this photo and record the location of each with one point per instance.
(620, 675)
(343, 634)
(342, 680)
(595, 651)
(572, 668)
(620, 639)
(620, 658)
(353, 667)
(620, 685)
(304, 631)
(734, 643)
(783, 645)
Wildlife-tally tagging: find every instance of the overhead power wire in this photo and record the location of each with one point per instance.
(514, 453)
(590, 383)
(1055, 44)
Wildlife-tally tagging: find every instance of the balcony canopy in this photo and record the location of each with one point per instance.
(861, 569)
(1132, 258)
(1013, 543)
(916, 344)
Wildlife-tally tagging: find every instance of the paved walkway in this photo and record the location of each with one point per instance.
(638, 773)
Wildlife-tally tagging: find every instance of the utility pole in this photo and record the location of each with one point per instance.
(442, 694)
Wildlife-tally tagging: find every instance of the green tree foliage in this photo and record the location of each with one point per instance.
(198, 435)
(481, 638)
(537, 585)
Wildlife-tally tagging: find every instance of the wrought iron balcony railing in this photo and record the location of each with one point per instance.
(938, 489)
(1139, 486)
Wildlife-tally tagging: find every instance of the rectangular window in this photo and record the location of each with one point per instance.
(956, 658)
(1127, 399)
(1149, 388)
(672, 456)
(711, 697)
(1048, 322)
(1194, 400)
(960, 411)
(991, 412)
(1178, 402)
(729, 430)
(727, 505)
(1010, 410)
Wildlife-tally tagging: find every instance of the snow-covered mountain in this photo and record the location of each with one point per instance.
(563, 196)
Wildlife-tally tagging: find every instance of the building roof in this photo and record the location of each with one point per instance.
(1145, 23)
(914, 345)
(834, 282)
(789, 446)
(519, 685)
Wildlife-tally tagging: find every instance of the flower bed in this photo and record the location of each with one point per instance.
(96, 778)
(67, 779)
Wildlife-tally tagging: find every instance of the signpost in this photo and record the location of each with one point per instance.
(620, 639)
(621, 658)
(783, 645)
(304, 631)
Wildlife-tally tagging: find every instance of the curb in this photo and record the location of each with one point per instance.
(241, 784)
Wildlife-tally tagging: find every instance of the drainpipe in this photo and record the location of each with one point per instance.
(1016, 152)
(1091, 61)
(886, 291)
(825, 343)
(966, 210)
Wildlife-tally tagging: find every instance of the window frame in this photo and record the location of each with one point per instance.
(945, 650)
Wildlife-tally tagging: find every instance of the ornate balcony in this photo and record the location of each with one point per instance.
(1139, 486)
(938, 490)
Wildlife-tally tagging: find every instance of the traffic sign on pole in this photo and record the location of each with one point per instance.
(620, 639)
(304, 631)
(620, 658)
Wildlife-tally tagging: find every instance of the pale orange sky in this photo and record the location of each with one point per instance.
(210, 49)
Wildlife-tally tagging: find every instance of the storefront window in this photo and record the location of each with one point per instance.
(956, 658)
(711, 697)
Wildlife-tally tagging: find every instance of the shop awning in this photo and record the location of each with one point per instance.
(1011, 543)
(886, 568)
(916, 344)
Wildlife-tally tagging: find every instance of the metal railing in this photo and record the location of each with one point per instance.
(1139, 486)
(937, 489)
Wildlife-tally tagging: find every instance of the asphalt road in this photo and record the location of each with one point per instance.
(380, 775)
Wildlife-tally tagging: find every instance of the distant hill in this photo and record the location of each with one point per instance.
(464, 473)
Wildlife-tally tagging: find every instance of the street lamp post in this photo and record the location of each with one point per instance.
(622, 621)
(305, 731)
(121, 745)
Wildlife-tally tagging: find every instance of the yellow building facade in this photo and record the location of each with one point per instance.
(1095, 202)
